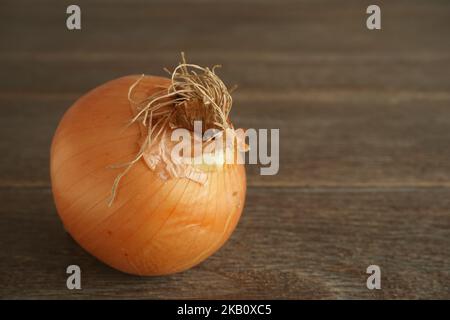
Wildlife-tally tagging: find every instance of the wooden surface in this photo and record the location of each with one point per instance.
(364, 120)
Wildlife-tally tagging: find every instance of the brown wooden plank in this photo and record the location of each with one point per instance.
(264, 46)
(364, 122)
(393, 75)
(314, 26)
(290, 243)
(338, 144)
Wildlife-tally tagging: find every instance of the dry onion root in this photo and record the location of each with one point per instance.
(156, 216)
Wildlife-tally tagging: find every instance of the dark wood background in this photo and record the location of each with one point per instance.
(365, 142)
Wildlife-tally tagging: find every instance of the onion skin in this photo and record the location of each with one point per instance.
(154, 226)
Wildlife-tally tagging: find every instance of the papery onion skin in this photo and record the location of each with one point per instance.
(154, 226)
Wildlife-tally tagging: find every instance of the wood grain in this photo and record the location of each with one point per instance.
(364, 123)
(323, 144)
(291, 243)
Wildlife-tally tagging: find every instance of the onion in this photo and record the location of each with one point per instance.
(152, 226)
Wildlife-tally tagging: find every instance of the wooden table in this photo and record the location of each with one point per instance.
(364, 120)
